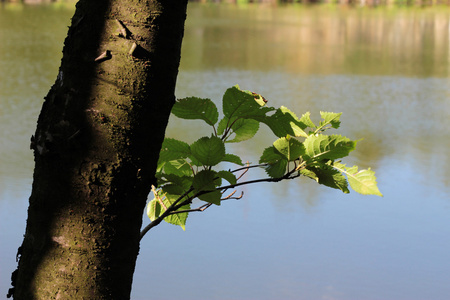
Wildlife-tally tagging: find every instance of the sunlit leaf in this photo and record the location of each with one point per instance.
(244, 129)
(183, 182)
(329, 118)
(196, 108)
(179, 167)
(161, 202)
(172, 149)
(240, 104)
(153, 209)
(305, 119)
(290, 148)
(320, 147)
(309, 174)
(363, 181)
(178, 219)
(175, 219)
(223, 124)
(258, 98)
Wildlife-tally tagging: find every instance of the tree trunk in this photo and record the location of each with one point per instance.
(96, 147)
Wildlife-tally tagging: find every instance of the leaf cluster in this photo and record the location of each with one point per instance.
(190, 171)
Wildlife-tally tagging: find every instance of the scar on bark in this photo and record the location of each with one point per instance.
(104, 56)
(124, 32)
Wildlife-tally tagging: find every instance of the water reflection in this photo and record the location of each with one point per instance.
(319, 40)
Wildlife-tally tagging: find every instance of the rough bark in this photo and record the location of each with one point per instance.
(96, 147)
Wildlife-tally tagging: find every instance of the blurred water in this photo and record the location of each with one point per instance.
(385, 69)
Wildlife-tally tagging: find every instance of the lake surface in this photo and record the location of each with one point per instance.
(386, 69)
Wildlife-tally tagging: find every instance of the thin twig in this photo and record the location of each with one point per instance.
(207, 205)
(158, 198)
(230, 196)
(249, 167)
(243, 173)
(200, 208)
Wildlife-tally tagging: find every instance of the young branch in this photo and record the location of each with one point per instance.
(207, 205)
(173, 208)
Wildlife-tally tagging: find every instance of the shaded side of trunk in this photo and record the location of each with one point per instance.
(96, 147)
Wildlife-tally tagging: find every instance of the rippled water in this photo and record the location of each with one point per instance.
(386, 69)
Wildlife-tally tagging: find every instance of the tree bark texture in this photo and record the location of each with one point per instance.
(96, 147)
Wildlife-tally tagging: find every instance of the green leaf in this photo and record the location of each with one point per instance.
(363, 181)
(172, 149)
(270, 155)
(305, 119)
(290, 148)
(258, 98)
(173, 189)
(196, 108)
(326, 175)
(240, 104)
(277, 169)
(209, 151)
(329, 118)
(233, 159)
(180, 218)
(154, 209)
(284, 122)
(276, 163)
(320, 147)
(244, 129)
(184, 182)
(207, 180)
(179, 167)
(309, 174)
(223, 124)
(211, 197)
(228, 176)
